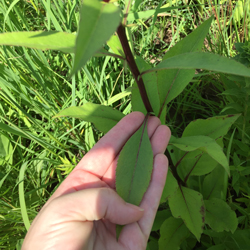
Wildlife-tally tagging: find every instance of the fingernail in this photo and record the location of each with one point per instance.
(134, 206)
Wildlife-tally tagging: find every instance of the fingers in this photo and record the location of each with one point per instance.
(152, 197)
(95, 204)
(67, 222)
(99, 158)
(97, 161)
(160, 139)
(159, 136)
(97, 168)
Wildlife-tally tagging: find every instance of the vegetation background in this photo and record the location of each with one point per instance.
(37, 151)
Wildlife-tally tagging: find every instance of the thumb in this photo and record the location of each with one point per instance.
(95, 204)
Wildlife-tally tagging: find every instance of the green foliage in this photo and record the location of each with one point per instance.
(171, 82)
(219, 216)
(103, 117)
(43, 40)
(244, 53)
(98, 22)
(204, 144)
(203, 61)
(173, 232)
(188, 205)
(202, 206)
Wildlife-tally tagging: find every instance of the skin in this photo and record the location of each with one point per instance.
(84, 210)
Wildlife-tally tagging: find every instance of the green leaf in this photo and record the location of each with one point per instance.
(196, 163)
(151, 89)
(23, 207)
(118, 96)
(170, 187)
(217, 247)
(205, 144)
(219, 216)
(201, 60)
(173, 233)
(240, 240)
(215, 184)
(97, 23)
(103, 117)
(160, 217)
(115, 45)
(134, 167)
(149, 13)
(6, 150)
(43, 40)
(188, 205)
(171, 82)
(19, 132)
(213, 127)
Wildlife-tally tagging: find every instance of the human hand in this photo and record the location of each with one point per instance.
(84, 210)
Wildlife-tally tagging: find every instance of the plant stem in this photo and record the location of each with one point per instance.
(133, 67)
(174, 170)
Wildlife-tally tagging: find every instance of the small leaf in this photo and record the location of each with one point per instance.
(134, 167)
(115, 44)
(103, 117)
(173, 233)
(213, 127)
(6, 150)
(205, 144)
(219, 216)
(43, 40)
(97, 23)
(201, 60)
(188, 205)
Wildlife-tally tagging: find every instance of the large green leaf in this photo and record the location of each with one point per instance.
(195, 163)
(171, 82)
(173, 231)
(205, 144)
(202, 60)
(215, 184)
(97, 23)
(219, 216)
(188, 205)
(134, 167)
(103, 117)
(151, 89)
(213, 127)
(170, 187)
(43, 40)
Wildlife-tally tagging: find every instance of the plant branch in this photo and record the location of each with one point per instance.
(174, 170)
(133, 67)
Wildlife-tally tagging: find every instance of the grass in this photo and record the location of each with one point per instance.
(35, 85)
